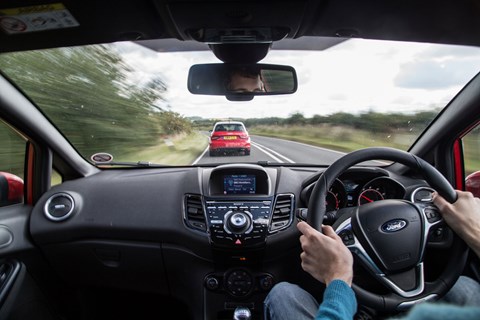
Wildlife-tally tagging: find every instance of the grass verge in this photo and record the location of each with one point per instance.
(337, 138)
(181, 149)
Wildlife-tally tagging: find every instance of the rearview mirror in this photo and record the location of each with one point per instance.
(241, 81)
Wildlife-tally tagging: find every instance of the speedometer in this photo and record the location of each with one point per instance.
(379, 189)
(370, 195)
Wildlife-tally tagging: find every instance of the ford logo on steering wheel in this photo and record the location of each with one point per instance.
(394, 225)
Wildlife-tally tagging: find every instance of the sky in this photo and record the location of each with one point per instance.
(354, 76)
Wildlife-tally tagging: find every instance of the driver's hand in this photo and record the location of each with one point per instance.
(463, 216)
(325, 256)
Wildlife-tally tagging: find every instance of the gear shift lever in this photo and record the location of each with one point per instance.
(242, 313)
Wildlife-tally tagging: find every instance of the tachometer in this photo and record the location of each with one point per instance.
(336, 197)
(332, 203)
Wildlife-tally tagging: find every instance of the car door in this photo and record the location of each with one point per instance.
(470, 143)
(466, 153)
(21, 296)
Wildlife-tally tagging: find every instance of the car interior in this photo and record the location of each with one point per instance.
(86, 236)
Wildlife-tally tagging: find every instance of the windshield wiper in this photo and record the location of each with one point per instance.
(142, 164)
(264, 163)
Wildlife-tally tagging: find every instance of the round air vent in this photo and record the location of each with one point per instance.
(59, 207)
(6, 237)
(422, 195)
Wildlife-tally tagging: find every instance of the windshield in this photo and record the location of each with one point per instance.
(132, 103)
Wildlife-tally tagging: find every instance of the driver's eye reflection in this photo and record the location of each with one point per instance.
(241, 81)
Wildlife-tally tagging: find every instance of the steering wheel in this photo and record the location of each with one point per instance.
(390, 236)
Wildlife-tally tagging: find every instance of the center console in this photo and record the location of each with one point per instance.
(238, 205)
(238, 223)
(240, 211)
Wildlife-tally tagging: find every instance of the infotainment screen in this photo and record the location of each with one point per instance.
(239, 184)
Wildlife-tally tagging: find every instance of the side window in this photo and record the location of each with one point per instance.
(56, 178)
(12, 161)
(471, 151)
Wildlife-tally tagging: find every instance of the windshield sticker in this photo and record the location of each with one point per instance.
(101, 157)
(36, 18)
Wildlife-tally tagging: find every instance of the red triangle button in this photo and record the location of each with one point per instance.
(238, 241)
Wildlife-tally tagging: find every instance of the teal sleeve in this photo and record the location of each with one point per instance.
(439, 311)
(339, 302)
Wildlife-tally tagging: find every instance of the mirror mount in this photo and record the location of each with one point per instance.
(240, 52)
(239, 97)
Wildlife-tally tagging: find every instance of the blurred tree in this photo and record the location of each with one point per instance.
(106, 111)
(174, 123)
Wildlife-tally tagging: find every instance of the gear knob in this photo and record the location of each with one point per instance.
(242, 313)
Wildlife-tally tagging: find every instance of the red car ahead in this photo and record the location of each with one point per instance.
(228, 137)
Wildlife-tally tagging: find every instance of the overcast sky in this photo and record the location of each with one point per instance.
(354, 76)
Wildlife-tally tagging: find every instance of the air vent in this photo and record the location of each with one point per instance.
(282, 212)
(422, 195)
(59, 207)
(194, 213)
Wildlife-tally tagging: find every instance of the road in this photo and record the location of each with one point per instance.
(277, 150)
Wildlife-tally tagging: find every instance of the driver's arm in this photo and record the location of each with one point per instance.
(325, 256)
(463, 216)
(338, 302)
(329, 261)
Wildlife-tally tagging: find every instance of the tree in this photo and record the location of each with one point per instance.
(105, 111)
(317, 119)
(296, 119)
(174, 123)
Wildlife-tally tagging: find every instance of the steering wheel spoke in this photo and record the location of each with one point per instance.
(348, 237)
(415, 276)
(415, 279)
(431, 214)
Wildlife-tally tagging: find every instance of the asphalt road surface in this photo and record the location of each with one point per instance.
(276, 150)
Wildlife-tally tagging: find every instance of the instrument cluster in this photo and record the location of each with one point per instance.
(352, 191)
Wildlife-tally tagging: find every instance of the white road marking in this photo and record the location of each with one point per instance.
(320, 148)
(307, 145)
(270, 151)
(200, 156)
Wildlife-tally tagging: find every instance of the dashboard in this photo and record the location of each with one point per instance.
(221, 233)
(200, 198)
